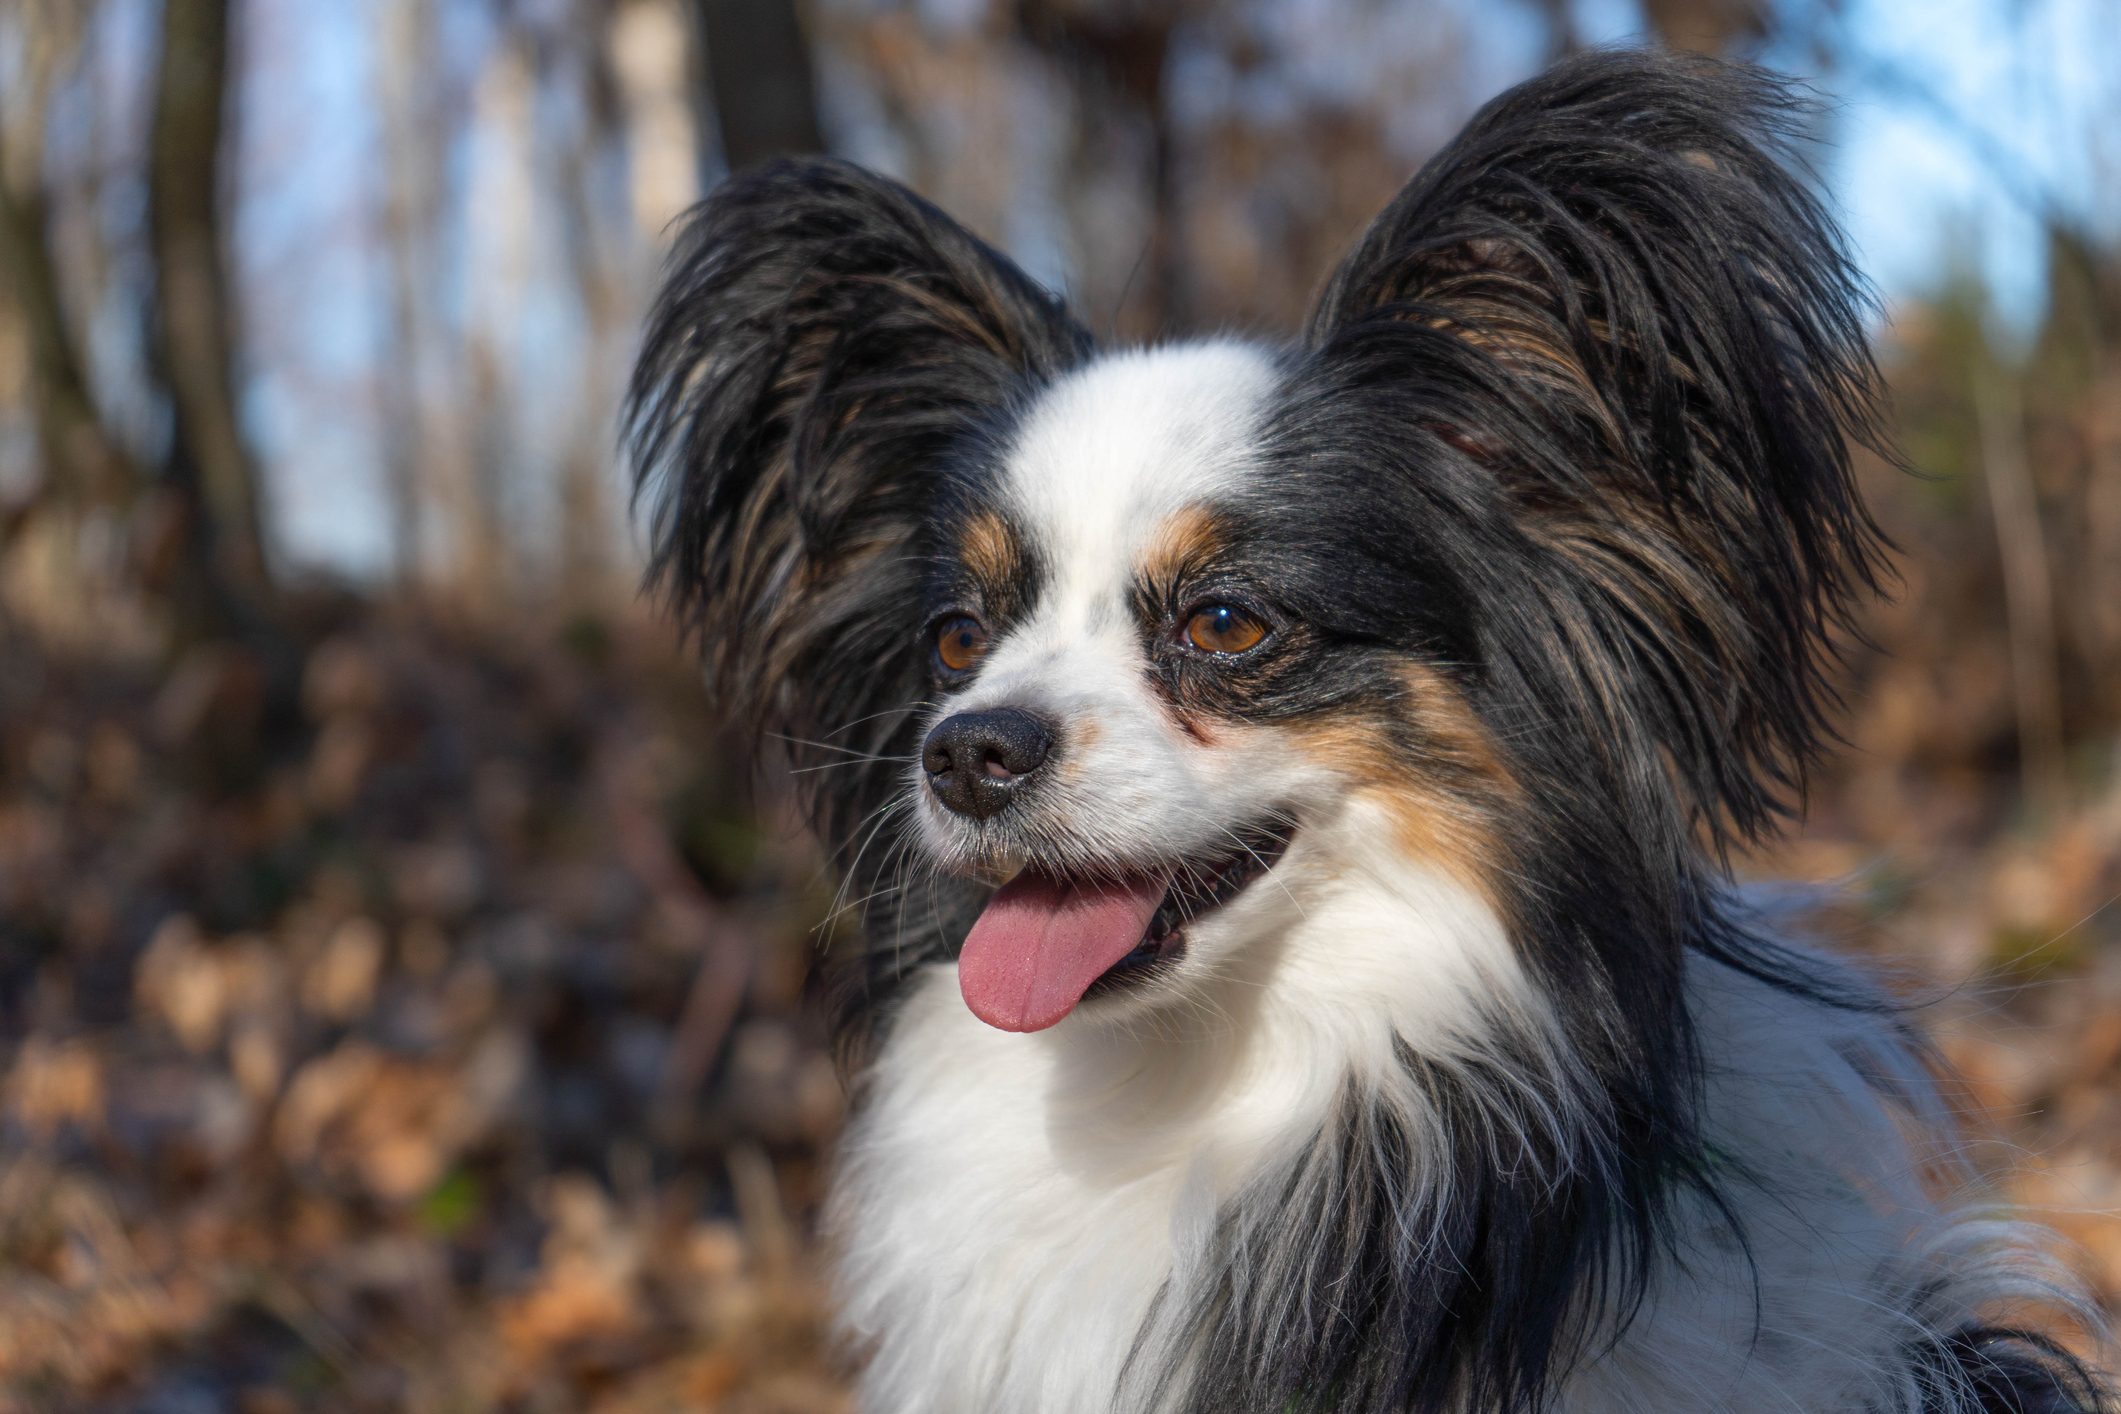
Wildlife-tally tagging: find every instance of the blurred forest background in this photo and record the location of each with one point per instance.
(400, 980)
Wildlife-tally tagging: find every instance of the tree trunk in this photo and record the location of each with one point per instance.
(81, 463)
(406, 109)
(586, 530)
(1707, 26)
(759, 88)
(1115, 60)
(191, 337)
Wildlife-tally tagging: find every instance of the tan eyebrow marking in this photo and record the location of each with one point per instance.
(989, 549)
(1185, 538)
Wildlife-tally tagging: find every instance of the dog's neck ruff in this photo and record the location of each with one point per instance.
(1036, 1223)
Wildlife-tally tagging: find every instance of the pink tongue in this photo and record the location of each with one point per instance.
(1042, 942)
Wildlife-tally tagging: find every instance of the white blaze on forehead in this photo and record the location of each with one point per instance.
(1115, 448)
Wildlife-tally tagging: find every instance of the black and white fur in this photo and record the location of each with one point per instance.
(1492, 1094)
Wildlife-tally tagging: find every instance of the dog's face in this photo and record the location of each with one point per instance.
(1516, 570)
(1169, 696)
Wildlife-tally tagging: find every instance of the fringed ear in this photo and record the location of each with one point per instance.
(1648, 330)
(824, 342)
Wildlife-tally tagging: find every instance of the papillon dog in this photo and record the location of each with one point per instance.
(1287, 788)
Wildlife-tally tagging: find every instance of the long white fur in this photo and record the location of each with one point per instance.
(1009, 1207)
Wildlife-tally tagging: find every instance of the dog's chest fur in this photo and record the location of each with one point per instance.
(1019, 1218)
(1009, 1208)
(1006, 1233)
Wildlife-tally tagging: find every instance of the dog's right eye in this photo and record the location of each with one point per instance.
(1224, 629)
(960, 642)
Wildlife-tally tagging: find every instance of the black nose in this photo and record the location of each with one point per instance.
(977, 760)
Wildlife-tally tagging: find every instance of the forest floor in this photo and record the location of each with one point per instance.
(429, 1035)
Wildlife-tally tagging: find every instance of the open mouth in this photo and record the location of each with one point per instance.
(1045, 942)
(1195, 892)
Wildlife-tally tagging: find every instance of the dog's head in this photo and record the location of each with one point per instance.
(1518, 566)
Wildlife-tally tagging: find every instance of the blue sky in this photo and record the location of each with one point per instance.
(1949, 112)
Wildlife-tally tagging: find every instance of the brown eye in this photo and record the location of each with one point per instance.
(960, 643)
(1224, 628)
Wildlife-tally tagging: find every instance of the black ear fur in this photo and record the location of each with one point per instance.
(823, 344)
(1652, 328)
